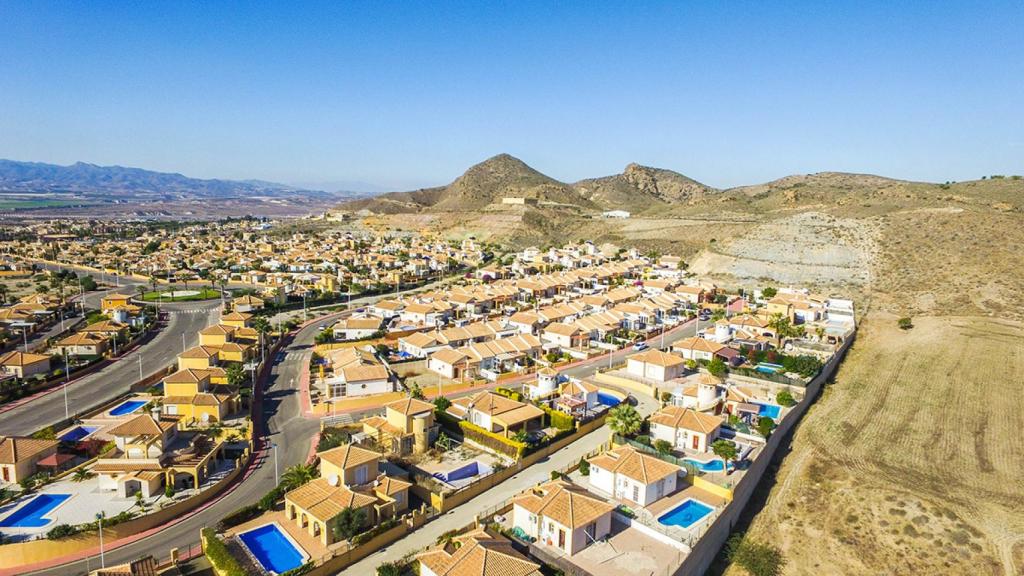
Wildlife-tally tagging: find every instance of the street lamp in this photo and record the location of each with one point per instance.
(67, 377)
(99, 518)
(277, 478)
(140, 366)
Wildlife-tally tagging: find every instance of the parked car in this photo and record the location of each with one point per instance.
(640, 346)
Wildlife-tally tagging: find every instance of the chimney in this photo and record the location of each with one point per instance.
(155, 413)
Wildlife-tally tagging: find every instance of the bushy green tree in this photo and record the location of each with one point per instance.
(625, 420)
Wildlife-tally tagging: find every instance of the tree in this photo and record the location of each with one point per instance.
(349, 523)
(416, 392)
(236, 374)
(296, 476)
(625, 420)
(765, 425)
(82, 474)
(663, 446)
(441, 404)
(757, 558)
(717, 367)
(584, 467)
(390, 569)
(905, 323)
(769, 292)
(726, 450)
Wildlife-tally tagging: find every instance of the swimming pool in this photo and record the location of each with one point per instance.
(709, 466)
(127, 407)
(78, 433)
(273, 548)
(608, 399)
(686, 514)
(31, 514)
(767, 368)
(770, 410)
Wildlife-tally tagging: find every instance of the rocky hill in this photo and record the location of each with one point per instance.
(640, 188)
(637, 189)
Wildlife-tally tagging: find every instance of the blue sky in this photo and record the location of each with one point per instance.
(407, 95)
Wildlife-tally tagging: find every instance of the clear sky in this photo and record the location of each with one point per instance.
(407, 95)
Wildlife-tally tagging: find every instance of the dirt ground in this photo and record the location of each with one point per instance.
(911, 461)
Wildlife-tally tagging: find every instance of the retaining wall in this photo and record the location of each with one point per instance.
(706, 549)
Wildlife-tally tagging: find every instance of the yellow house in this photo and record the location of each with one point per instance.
(216, 335)
(193, 395)
(19, 456)
(24, 364)
(112, 302)
(780, 306)
(348, 479)
(235, 352)
(406, 427)
(236, 319)
(198, 357)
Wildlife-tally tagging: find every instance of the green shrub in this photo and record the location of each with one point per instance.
(584, 467)
(558, 419)
(758, 559)
(364, 537)
(663, 446)
(62, 531)
(905, 323)
(785, 398)
(765, 425)
(218, 555)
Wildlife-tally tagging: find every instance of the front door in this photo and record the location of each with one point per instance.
(696, 442)
(561, 539)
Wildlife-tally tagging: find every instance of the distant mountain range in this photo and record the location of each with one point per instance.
(118, 182)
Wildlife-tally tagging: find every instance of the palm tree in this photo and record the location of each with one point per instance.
(81, 475)
(297, 475)
(625, 420)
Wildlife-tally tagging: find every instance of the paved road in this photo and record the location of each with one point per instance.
(115, 379)
(285, 427)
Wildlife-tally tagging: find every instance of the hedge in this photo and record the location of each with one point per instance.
(240, 516)
(559, 419)
(491, 440)
(224, 563)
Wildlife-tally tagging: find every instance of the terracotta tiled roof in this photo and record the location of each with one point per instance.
(479, 554)
(687, 418)
(15, 449)
(633, 464)
(143, 425)
(409, 406)
(565, 503)
(324, 501)
(349, 456)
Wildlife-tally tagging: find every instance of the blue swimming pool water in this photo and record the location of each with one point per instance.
(128, 407)
(77, 433)
(463, 472)
(686, 514)
(770, 410)
(30, 515)
(709, 466)
(608, 399)
(274, 551)
(767, 368)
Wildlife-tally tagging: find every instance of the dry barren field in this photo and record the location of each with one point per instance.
(912, 461)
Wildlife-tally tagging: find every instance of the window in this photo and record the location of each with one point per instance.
(636, 493)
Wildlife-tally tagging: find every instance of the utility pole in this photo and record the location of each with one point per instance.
(183, 342)
(67, 377)
(140, 366)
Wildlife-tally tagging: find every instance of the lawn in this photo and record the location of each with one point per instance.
(910, 461)
(201, 294)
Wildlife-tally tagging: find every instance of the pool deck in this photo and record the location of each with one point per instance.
(85, 501)
(309, 545)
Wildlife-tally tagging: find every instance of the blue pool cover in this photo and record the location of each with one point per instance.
(128, 407)
(274, 551)
(686, 514)
(30, 515)
(608, 399)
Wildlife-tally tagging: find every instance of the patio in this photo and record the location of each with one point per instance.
(626, 552)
